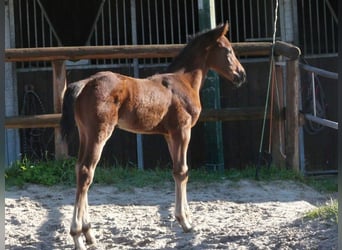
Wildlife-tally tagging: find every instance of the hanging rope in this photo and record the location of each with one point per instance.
(32, 138)
(270, 77)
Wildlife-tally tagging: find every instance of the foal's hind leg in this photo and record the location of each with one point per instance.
(178, 145)
(92, 141)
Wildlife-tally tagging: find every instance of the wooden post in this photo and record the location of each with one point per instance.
(292, 115)
(59, 86)
(278, 138)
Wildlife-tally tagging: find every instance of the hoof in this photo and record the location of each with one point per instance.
(79, 245)
(187, 229)
(185, 225)
(90, 239)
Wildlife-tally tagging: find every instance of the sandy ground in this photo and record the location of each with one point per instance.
(227, 215)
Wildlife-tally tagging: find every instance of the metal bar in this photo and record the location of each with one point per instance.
(304, 29)
(321, 72)
(325, 28)
(313, 89)
(50, 37)
(117, 23)
(35, 24)
(324, 122)
(237, 21)
(156, 16)
(20, 25)
(59, 42)
(142, 22)
(179, 23)
(96, 42)
(333, 35)
(258, 14)
(157, 21)
(28, 25)
(265, 16)
(42, 21)
(230, 19)
(149, 22)
(140, 152)
(332, 11)
(244, 18)
(186, 20)
(193, 17)
(318, 29)
(103, 28)
(125, 21)
(311, 29)
(110, 23)
(171, 22)
(164, 23)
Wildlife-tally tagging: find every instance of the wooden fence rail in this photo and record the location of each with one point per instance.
(58, 56)
(137, 51)
(207, 115)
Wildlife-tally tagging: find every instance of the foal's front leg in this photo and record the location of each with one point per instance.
(178, 145)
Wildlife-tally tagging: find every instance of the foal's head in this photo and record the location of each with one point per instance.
(221, 57)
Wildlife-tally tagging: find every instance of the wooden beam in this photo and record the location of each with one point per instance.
(226, 114)
(285, 49)
(33, 121)
(74, 53)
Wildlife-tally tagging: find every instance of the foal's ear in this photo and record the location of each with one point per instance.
(224, 28)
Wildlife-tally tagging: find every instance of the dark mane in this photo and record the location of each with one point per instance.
(197, 44)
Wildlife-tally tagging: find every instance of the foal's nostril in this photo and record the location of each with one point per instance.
(240, 77)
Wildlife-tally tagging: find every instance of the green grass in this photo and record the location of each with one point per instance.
(43, 172)
(51, 172)
(327, 212)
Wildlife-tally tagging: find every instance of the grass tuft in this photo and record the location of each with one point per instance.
(327, 212)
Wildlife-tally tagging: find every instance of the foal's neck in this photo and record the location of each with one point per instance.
(191, 68)
(194, 77)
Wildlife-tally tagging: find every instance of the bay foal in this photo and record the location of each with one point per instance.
(167, 104)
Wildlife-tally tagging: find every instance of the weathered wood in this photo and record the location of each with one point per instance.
(278, 128)
(292, 115)
(59, 86)
(33, 121)
(52, 120)
(91, 52)
(285, 49)
(118, 52)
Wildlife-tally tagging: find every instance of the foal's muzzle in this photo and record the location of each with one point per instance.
(239, 78)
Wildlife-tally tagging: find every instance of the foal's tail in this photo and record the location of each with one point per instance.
(67, 122)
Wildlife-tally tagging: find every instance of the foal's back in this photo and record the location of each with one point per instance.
(136, 105)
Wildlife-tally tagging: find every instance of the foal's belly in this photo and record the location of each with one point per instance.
(144, 112)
